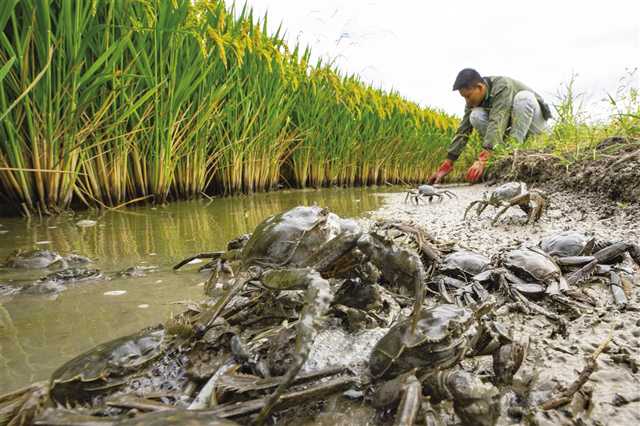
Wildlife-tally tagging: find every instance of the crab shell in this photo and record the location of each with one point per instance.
(565, 244)
(100, 367)
(289, 238)
(532, 265)
(35, 259)
(507, 191)
(465, 263)
(426, 190)
(439, 341)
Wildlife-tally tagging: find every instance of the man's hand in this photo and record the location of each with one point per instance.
(475, 172)
(443, 170)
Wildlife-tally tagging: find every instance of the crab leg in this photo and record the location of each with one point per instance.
(470, 206)
(318, 299)
(206, 255)
(410, 192)
(515, 200)
(617, 290)
(410, 402)
(537, 210)
(611, 252)
(583, 273)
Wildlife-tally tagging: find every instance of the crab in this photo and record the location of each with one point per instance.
(510, 194)
(582, 256)
(573, 248)
(40, 259)
(301, 249)
(459, 271)
(105, 366)
(428, 192)
(424, 358)
(35, 259)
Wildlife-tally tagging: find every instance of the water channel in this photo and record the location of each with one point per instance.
(40, 332)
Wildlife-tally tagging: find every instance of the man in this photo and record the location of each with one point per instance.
(495, 106)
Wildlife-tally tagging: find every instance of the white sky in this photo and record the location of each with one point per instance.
(418, 47)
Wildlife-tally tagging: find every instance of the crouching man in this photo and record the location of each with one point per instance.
(497, 107)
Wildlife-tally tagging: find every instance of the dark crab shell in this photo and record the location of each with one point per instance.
(568, 243)
(466, 263)
(439, 341)
(103, 365)
(507, 191)
(530, 264)
(289, 238)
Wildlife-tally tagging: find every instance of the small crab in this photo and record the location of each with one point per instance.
(105, 366)
(532, 272)
(428, 192)
(425, 357)
(572, 248)
(532, 202)
(458, 271)
(39, 259)
(581, 256)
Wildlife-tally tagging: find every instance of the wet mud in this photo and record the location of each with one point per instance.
(259, 329)
(611, 171)
(612, 393)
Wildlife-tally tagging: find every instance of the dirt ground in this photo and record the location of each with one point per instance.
(612, 171)
(612, 394)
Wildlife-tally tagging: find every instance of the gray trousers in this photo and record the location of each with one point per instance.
(526, 117)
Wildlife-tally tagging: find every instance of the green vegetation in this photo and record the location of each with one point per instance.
(109, 102)
(575, 135)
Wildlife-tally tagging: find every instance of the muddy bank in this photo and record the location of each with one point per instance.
(245, 351)
(553, 361)
(612, 170)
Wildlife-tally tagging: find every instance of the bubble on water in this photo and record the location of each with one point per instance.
(143, 306)
(335, 347)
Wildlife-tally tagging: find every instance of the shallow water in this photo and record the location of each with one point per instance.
(38, 333)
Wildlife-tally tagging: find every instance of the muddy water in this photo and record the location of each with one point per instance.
(552, 360)
(40, 332)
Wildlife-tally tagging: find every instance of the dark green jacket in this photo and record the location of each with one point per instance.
(498, 102)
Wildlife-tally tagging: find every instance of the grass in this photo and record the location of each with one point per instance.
(103, 103)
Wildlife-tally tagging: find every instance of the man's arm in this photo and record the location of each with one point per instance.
(461, 137)
(498, 116)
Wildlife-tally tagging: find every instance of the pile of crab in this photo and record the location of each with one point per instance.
(241, 356)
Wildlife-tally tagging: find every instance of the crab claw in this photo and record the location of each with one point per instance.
(475, 402)
(508, 359)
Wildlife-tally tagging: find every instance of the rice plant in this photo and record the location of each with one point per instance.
(106, 103)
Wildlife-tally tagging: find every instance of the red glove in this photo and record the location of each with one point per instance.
(475, 172)
(445, 168)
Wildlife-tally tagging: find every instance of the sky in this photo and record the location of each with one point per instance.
(418, 47)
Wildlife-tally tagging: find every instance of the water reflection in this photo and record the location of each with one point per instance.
(38, 333)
